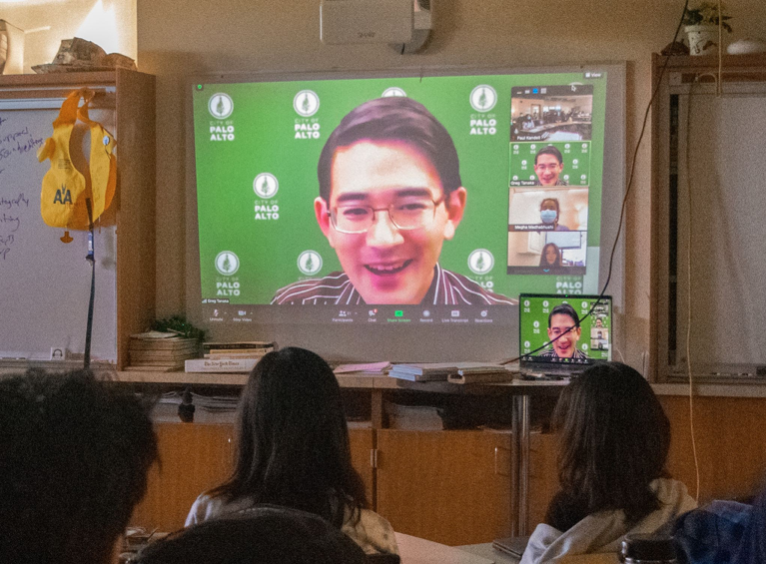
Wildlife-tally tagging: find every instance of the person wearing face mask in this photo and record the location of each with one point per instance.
(550, 213)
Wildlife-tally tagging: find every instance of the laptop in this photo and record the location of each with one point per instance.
(543, 317)
(514, 546)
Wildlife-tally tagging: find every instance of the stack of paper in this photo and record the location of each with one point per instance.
(159, 351)
(240, 356)
(366, 369)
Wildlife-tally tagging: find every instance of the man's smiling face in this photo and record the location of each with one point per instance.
(386, 264)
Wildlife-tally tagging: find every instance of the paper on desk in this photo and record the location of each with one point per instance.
(414, 550)
(368, 367)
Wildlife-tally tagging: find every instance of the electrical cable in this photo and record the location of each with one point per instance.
(623, 207)
(687, 159)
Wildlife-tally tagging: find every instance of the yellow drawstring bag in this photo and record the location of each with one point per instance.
(64, 188)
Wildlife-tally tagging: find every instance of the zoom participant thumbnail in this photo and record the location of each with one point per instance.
(550, 164)
(552, 113)
(547, 230)
(390, 195)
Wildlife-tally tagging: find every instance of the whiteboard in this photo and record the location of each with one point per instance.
(44, 283)
(726, 171)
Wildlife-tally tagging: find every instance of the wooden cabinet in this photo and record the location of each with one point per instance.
(195, 457)
(451, 487)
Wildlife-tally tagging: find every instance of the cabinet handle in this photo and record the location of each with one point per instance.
(374, 457)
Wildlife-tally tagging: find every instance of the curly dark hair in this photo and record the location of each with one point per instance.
(74, 455)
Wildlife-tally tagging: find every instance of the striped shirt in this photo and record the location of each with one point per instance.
(447, 288)
(551, 353)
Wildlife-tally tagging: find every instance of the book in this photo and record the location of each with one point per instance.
(469, 377)
(440, 371)
(220, 365)
(240, 345)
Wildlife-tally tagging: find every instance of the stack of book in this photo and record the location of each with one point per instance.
(158, 351)
(455, 372)
(239, 356)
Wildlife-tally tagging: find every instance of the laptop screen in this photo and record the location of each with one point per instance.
(543, 317)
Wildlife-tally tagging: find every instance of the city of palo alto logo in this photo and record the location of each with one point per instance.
(306, 103)
(227, 263)
(265, 185)
(483, 98)
(481, 261)
(393, 91)
(220, 105)
(309, 262)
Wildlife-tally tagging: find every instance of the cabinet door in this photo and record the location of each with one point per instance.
(444, 486)
(194, 457)
(361, 450)
(543, 476)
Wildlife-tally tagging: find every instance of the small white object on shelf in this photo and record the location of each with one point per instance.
(747, 46)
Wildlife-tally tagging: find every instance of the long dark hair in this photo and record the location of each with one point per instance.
(614, 439)
(292, 439)
(544, 261)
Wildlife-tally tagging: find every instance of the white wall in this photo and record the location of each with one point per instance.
(177, 38)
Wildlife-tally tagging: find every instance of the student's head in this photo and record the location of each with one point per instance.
(262, 535)
(74, 454)
(613, 440)
(548, 165)
(550, 211)
(551, 256)
(292, 439)
(560, 320)
(390, 193)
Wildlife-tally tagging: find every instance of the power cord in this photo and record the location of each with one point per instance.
(624, 198)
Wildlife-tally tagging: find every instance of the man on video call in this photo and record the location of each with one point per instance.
(549, 164)
(561, 319)
(390, 193)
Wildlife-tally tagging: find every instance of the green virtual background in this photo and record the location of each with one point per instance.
(250, 246)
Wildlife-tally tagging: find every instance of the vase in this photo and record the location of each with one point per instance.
(703, 39)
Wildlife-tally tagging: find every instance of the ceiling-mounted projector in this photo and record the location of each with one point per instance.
(399, 22)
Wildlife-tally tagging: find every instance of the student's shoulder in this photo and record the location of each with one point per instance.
(308, 288)
(207, 507)
(373, 533)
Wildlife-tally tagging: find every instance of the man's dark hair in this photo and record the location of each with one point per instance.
(260, 535)
(292, 440)
(614, 439)
(395, 118)
(74, 454)
(550, 150)
(564, 309)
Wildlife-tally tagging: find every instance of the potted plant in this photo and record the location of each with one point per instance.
(702, 27)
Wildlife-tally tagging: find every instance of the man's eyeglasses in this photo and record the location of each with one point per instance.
(405, 214)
